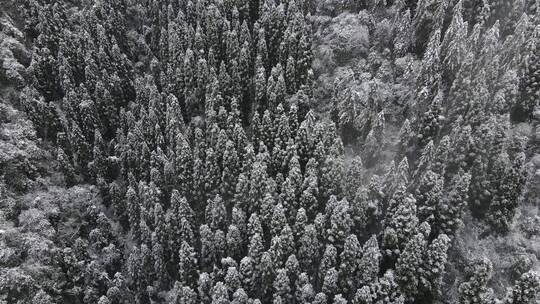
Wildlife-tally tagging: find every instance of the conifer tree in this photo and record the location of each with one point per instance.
(450, 211)
(384, 290)
(328, 260)
(267, 273)
(436, 258)
(133, 210)
(232, 279)
(206, 253)
(66, 167)
(524, 290)
(475, 289)
(220, 294)
(409, 266)
(234, 242)
(353, 176)
(231, 169)
(308, 250)
(330, 283)
(368, 265)
(215, 213)
(255, 248)
(281, 285)
(340, 224)
(402, 225)
(350, 261)
(320, 298)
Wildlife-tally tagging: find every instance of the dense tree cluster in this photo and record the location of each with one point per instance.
(222, 183)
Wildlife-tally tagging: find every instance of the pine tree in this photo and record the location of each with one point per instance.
(260, 88)
(281, 138)
(371, 149)
(475, 290)
(216, 214)
(232, 279)
(507, 180)
(308, 250)
(340, 224)
(320, 298)
(328, 260)
(430, 122)
(330, 283)
(234, 242)
(240, 297)
(267, 273)
(282, 246)
(424, 20)
(212, 174)
(524, 290)
(293, 186)
(434, 264)
(309, 192)
(279, 220)
(300, 223)
(256, 248)
(293, 268)
(402, 225)
(409, 272)
(332, 172)
(403, 31)
(219, 244)
(231, 169)
(368, 265)
(458, 155)
(304, 289)
(80, 146)
(350, 261)
(267, 206)
(248, 274)
(353, 177)
(304, 143)
(426, 159)
(388, 290)
(429, 195)
(220, 294)
(182, 294)
(133, 210)
(276, 87)
(206, 253)
(406, 137)
(281, 285)
(450, 210)
(187, 263)
(304, 59)
(254, 225)
(204, 288)
(66, 167)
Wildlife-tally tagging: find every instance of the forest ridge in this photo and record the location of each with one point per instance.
(269, 151)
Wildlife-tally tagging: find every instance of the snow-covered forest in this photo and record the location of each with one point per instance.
(269, 151)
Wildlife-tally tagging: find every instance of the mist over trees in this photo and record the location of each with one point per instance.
(269, 151)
